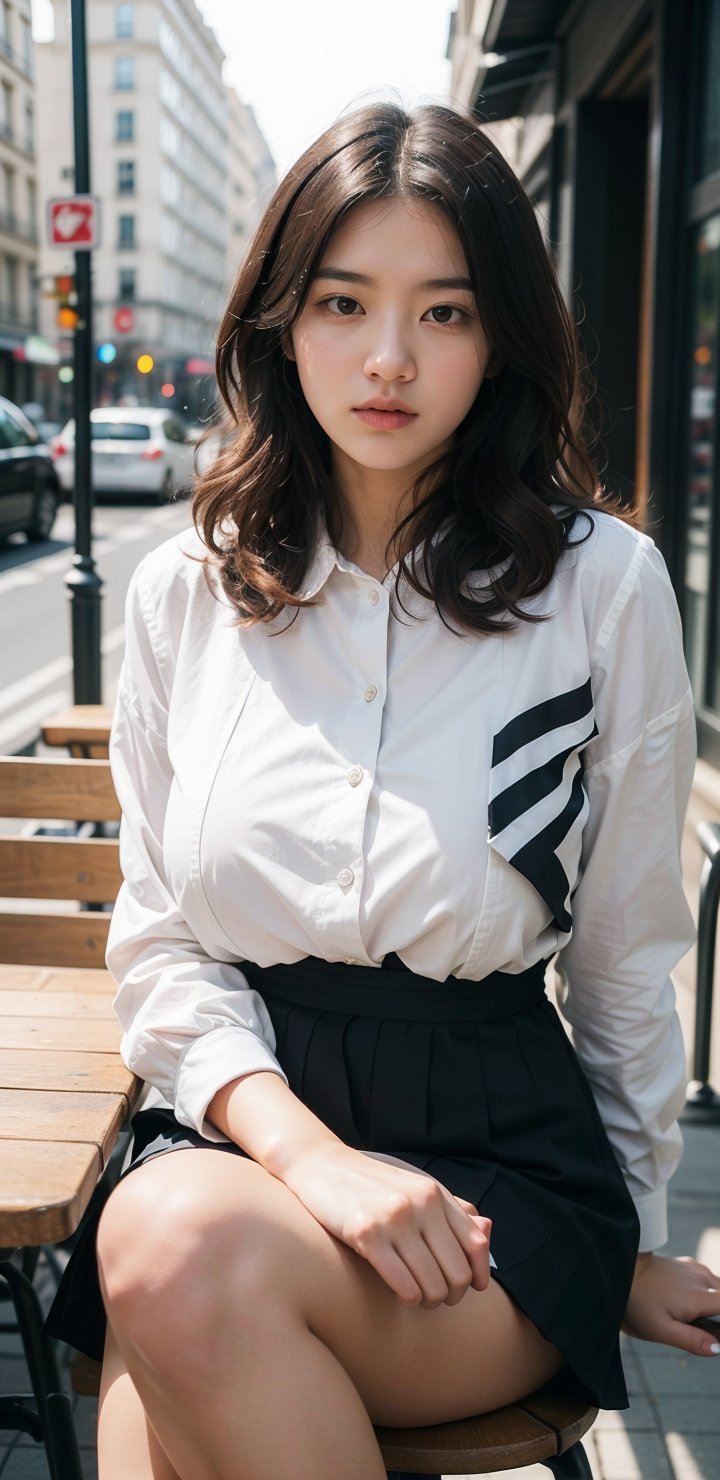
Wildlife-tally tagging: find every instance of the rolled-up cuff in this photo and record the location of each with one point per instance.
(651, 1208)
(213, 1060)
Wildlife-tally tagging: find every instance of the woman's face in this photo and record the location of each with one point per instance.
(391, 317)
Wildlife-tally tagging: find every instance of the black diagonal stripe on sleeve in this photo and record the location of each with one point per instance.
(539, 863)
(523, 794)
(563, 709)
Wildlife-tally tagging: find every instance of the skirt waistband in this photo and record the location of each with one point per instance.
(365, 991)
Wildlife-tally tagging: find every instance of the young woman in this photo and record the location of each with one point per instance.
(404, 717)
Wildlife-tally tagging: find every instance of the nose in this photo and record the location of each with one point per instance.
(389, 356)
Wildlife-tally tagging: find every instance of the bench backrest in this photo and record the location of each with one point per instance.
(82, 869)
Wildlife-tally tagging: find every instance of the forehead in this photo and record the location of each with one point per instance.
(404, 234)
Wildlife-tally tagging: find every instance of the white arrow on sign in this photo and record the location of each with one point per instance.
(68, 220)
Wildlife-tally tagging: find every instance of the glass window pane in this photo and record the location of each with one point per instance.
(708, 151)
(701, 469)
(120, 431)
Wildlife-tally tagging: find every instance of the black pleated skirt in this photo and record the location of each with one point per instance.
(476, 1083)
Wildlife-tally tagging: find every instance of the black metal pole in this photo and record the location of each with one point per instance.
(703, 1103)
(83, 581)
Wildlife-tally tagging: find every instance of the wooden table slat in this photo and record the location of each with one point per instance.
(54, 1004)
(57, 1069)
(91, 1035)
(44, 1195)
(51, 1115)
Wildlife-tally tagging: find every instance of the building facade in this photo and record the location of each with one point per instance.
(159, 125)
(251, 179)
(21, 353)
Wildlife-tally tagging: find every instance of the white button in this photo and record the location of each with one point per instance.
(373, 597)
(355, 775)
(370, 693)
(345, 877)
(353, 961)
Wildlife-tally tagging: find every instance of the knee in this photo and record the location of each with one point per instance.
(174, 1270)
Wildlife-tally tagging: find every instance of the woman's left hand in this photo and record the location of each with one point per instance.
(666, 1296)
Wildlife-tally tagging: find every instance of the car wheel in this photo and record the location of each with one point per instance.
(43, 514)
(167, 489)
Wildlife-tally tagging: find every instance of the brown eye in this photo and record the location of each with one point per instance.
(445, 309)
(346, 305)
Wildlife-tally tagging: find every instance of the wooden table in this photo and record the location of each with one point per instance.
(64, 1096)
(83, 729)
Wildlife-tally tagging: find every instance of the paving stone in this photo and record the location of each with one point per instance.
(693, 1415)
(694, 1456)
(632, 1456)
(642, 1414)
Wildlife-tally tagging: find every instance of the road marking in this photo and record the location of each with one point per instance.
(34, 573)
(34, 683)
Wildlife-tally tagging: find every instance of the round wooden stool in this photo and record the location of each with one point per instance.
(544, 1428)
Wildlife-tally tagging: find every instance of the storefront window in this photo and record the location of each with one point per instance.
(701, 609)
(708, 143)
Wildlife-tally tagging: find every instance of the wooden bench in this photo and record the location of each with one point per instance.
(65, 1094)
(82, 729)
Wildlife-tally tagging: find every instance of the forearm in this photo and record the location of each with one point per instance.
(263, 1116)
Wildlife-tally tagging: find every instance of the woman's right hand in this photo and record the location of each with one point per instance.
(426, 1244)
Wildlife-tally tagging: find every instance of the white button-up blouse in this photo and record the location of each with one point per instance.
(364, 781)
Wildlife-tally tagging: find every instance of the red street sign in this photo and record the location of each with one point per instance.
(124, 320)
(73, 221)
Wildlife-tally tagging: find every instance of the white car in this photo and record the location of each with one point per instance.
(135, 449)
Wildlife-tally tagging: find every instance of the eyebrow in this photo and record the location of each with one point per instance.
(341, 274)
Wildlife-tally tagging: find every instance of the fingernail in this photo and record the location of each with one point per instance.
(713, 1349)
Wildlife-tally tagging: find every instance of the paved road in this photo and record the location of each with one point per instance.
(35, 635)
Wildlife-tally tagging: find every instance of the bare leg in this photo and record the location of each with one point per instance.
(250, 1331)
(126, 1444)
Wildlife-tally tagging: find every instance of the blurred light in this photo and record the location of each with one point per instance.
(67, 318)
(702, 355)
(106, 353)
(167, 389)
(66, 374)
(145, 364)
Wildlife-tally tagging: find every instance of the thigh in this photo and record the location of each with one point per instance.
(248, 1241)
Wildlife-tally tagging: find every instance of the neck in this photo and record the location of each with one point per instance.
(371, 502)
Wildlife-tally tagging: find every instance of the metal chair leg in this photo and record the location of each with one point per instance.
(572, 1465)
(54, 1409)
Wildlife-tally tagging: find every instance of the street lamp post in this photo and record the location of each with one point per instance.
(83, 581)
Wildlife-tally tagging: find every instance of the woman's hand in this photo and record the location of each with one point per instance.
(426, 1244)
(666, 1296)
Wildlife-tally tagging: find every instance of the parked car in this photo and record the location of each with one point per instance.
(29, 492)
(135, 449)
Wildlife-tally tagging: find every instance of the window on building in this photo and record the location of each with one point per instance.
(126, 231)
(6, 109)
(26, 35)
(29, 127)
(126, 285)
(124, 74)
(126, 177)
(124, 21)
(33, 294)
(5, 24)
(31, 206)
(124, 125)
(8, 190)
(11, 287)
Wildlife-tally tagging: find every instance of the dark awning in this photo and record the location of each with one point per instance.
(524, 32)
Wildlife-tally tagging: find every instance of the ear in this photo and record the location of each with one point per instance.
(287, 347)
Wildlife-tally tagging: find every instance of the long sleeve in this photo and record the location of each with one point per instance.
(631, 920)
(190, 1023)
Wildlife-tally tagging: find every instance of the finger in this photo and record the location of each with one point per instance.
(473, 1235)
(451, 1260)
(394, 1271)
(433, 1267)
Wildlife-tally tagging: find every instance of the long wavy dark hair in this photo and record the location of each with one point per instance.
(523, 445)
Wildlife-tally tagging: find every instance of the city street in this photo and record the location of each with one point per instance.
(35, 607)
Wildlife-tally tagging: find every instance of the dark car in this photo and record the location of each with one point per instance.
(29, 489)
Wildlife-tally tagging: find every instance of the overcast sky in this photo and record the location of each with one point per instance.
(301, 63)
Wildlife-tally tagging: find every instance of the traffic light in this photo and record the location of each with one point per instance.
(64, 292)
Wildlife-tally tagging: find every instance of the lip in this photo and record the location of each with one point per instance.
(382, 404)
(389, 416)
